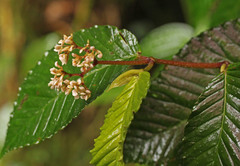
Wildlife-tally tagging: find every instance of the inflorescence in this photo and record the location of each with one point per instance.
(84, 60)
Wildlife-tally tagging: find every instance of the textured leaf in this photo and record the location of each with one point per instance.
(124, 78)
(40, 112)
(173, 94)
(108, 148)
(212, 134)
(166, 40)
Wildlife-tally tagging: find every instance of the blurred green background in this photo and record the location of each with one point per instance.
(28, 28)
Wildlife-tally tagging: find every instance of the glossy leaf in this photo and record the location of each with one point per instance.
(108, 148)
(152, 136)
(212, 134)
(40, 112)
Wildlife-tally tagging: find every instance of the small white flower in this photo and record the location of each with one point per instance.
(79, 81)
(63, 58)
(100, 55)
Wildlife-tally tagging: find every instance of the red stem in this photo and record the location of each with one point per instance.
(138, 62)
(146, 60)
(190, 64)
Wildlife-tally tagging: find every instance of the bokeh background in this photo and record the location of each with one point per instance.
(30, 27)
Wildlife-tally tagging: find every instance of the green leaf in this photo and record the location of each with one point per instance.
(108, 148)
(157, 128)
(40, 112)
(125, 78)
(34, 51)
(204, 14)
(212, 134)
(166, 40)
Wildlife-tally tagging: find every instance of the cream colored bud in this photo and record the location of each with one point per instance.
(79, 81)
(53, 71)
(85, 98)
(74, 93)
(61, 42)
(65, 37)
(88, 91)
(67, 41)
(57, 65)
(91, 65)
(91, 58)
(82, 88)
(65, 49)
(100, 55)
(76, 97)
(80, 51)
(82, 69)
(86, 64)
(82, 94)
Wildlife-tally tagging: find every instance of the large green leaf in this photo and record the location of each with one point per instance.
(212, 134)
(108, 148)
(157, 128)
(40, 112)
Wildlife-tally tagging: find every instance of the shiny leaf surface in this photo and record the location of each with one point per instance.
(212, 134)
(173, 94)
(40, 112)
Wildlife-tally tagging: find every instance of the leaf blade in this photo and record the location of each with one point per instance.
(176, 90)
(213, 123)
(40, 112)
(118, 119)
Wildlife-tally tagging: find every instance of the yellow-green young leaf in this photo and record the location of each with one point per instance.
(108, 148)
(124, 78)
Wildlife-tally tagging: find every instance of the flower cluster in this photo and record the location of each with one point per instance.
(78, 89)
(57, 81)
(64, 47)
(84, 60)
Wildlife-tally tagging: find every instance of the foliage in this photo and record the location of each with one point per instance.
(40, 112)
(189, 117)
(108, 148)
(204, 14)
(157, 129)
(165, 41)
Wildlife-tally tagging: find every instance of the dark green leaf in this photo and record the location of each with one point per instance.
(34, 51)
(173, 94)
(212, 134)
(108, 148)
(40, 112)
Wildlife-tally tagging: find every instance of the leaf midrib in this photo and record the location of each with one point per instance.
(223, 116)
(132, 91)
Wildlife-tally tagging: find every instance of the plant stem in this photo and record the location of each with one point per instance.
(146, 60)
(190, 64)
